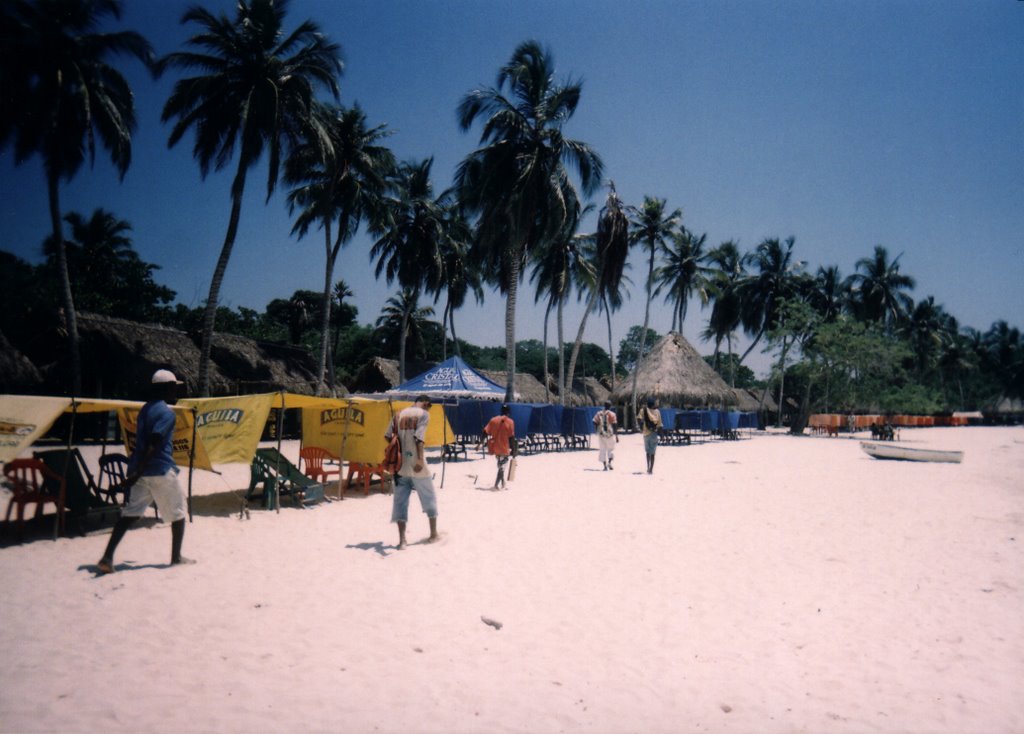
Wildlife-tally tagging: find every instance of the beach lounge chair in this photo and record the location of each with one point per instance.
(280, 477)
(33, 483)
(81, 493)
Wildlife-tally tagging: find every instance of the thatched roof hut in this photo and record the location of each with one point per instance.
(256, 367)
(746, 401)
(528, 388)
(377, 375)
(120, 356)
(17, 373)
(676, 374)
(764, 398)
(587, 391)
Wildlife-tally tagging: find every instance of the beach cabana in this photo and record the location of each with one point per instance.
(452, 378)
(676, 375)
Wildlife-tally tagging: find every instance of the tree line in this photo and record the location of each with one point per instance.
(253, 89)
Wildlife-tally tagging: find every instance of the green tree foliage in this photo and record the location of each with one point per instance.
(729, 366)
(629, 347)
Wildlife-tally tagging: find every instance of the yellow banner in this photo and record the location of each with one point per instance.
(25, 418)
(181, 442)
(231, 427)
(355, 430)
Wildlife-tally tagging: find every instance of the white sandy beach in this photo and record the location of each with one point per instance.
(774, 584)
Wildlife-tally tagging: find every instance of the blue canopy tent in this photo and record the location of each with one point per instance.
(451, 379)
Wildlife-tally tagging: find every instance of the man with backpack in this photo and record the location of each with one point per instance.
(650, 422)
(607, 437)
(411, 427)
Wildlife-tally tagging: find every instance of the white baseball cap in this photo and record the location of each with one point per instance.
(161, 377)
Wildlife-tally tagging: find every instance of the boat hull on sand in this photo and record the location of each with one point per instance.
(906, 453)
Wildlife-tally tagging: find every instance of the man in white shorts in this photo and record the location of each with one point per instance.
(152, 473)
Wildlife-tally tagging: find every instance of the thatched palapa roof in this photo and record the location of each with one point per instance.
(378, 375)
(528, 388)
(585, 391)
(260, 367)
(676, 374)
(120, 356)
(17, 373)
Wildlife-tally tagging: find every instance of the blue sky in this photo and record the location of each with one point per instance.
(843, 124)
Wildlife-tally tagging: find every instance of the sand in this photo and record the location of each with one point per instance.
(773, 584)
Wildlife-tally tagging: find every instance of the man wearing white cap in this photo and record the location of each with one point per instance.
(152, 473)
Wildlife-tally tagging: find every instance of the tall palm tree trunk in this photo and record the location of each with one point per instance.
(611, 344)
(325, 318)
(561, 351)
(782, 380)
(444, 329)
(643, 334)
(547, 375)
(401, 345)
(455, 338)
(510, 327)
(70, 316)
(579, 337)
(210, 312)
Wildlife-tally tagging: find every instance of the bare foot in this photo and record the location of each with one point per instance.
(105, 566)
(433, 538)
(401, 544)
(182, 561)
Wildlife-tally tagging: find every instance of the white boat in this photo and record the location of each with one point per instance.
(906, 453)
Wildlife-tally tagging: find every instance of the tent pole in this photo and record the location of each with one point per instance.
(341, 454)
(277, 463)
(191, 461)
(444, 442)
(67, 464)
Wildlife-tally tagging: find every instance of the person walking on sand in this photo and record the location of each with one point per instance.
(650, 422)
(607, 434)
(413, 475)
(152, 473)
(501, 442)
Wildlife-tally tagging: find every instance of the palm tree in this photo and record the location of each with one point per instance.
(254, 91)
(829, 295)
(878, 289)
(60, 94)
(608, 261)
(762, 293)
(556, 269)
(339, 294)
(409, 249)
(650, 226)
(682, 275)
(459, 275)
(926, 330)
(728, 269)
(1004, 353)
(99, 253)
(517, 184)
(402, 314)
(342, 181)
